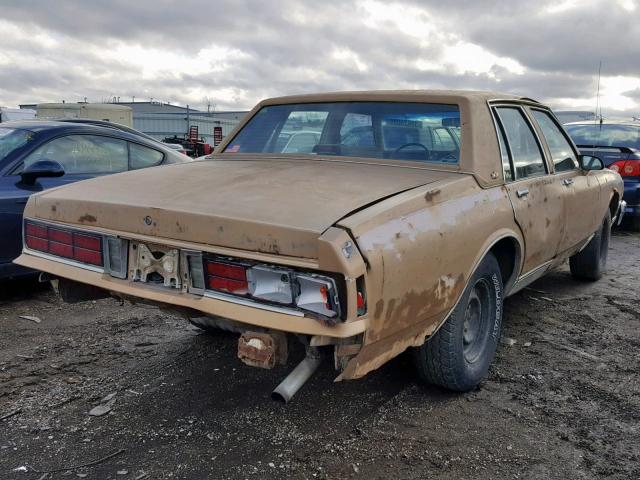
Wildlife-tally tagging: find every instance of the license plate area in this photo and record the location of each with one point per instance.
(155, 264)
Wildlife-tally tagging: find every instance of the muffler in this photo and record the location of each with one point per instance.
(298, 377)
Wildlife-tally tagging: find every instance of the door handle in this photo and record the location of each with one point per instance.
(567, 181)
(522, 193)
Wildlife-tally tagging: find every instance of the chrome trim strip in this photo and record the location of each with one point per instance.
(63, 260)
(586, 242)
(249, 303)
(531, 276)
(620, 213)
(535, 270)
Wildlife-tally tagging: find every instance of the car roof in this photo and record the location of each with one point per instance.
(628, 123)
(70, 127)
(452, 96)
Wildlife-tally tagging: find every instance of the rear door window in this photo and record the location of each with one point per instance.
(562, 154)
(527, 157)
(84, 154)
(142, 157)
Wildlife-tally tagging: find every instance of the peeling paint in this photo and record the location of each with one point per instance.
(86, 218)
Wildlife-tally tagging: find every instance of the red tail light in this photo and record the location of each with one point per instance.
(227, 277)
(82, 247)
(627, 168)
(360, 301)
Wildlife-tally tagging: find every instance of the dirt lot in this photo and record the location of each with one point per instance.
(562, 402)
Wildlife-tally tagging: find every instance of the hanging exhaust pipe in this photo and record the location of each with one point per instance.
(298, 377)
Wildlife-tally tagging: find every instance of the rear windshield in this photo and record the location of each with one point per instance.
(11, 139)
(605, 135)
(406, 131)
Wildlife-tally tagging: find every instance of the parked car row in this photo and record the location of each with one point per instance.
(618, 145)
(389, 221)
(38, 155)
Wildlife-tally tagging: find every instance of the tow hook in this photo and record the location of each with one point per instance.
(263, 350)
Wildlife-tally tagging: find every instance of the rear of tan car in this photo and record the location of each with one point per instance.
(358, 257)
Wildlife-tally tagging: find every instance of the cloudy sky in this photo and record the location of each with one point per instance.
(232, 53)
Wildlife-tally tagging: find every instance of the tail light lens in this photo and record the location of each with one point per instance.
(116, 256)
(271, 284)
(66, 243)
(227, 277)
(317, 295)
(626, 168)
(196, 270)
(314, 293)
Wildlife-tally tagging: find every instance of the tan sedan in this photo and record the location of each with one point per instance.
(403, 223)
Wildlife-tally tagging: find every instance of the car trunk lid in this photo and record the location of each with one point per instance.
(270, 205)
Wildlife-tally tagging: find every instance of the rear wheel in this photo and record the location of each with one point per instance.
(459, 354)
(591, 262)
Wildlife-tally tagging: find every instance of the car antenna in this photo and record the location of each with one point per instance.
(595, 118)
(598, 94)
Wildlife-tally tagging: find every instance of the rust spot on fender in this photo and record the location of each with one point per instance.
(431, 194)
(379, 308)
(86, 218)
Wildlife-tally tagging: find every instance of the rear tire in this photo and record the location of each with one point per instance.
(591, 262)
(458, 355)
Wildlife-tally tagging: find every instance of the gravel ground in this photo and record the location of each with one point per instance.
(561, 402)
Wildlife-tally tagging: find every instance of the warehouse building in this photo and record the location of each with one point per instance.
(162, 120)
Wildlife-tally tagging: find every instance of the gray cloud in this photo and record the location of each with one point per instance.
(633, 94)
(290, 47)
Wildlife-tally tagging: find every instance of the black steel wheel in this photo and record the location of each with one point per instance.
(458, 355)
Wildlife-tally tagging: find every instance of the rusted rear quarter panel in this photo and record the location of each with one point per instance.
(421, 248)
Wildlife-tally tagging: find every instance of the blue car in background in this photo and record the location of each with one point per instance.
(37, 155)
(618, 145)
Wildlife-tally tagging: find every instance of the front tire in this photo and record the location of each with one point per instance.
(458, 355)
(591, 262)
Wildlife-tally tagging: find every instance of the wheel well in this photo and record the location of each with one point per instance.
(507, 252)
(613, 205)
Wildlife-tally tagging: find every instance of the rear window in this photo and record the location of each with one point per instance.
(587, 135)
(405, 131)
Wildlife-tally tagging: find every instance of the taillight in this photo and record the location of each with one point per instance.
(82, 247)
(226, 277)
(271, 283)
(626, 168)
(314, 293)
(317, 295)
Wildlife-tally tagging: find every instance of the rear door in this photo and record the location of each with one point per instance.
(536, 198)
(582, 190)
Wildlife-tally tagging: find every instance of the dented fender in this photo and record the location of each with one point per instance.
(421, 248)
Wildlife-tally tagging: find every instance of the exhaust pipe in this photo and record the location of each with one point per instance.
(298, 377)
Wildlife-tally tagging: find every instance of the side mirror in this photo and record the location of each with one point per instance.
(42, 168)
(589, 162)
